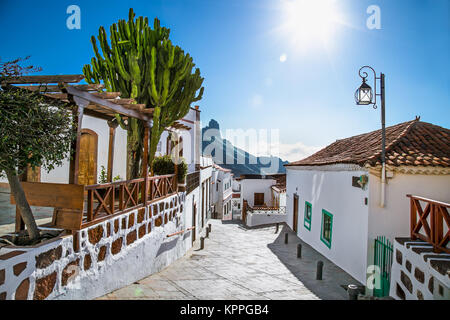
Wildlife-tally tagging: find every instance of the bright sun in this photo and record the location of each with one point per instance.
(309, 23)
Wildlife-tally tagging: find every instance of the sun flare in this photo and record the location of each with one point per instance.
(309, 23)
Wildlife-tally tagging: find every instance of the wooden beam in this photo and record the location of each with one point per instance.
(67, 78)
(89, 87)
(112, 133)
(144, 194)
(42, 88)
(136, 106)
(115, 108)
(96, 114)
(78, 112)
(106, 95)
(121, 101)
(59, 96)
(148, 110)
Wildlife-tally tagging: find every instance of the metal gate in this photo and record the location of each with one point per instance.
(383, 259)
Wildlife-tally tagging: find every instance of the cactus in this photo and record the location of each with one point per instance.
(143, 64)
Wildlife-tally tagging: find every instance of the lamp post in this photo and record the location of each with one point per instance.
(365, 96)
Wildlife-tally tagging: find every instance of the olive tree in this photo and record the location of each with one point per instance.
(34, 132)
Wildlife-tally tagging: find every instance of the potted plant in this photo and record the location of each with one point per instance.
(182, 169)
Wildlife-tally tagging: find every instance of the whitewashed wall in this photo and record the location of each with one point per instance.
(264, 217)
(330, 188)
(393, 220)
(413, 278)
(100, 127)
(134, 246)
(251, 186)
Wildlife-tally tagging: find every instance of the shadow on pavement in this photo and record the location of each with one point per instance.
(334, 279)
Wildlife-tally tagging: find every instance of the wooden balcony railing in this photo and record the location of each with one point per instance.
(430, 220)
(105, 200)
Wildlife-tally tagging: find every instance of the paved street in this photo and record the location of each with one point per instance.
(240, 264)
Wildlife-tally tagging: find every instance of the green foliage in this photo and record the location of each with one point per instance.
(182, 171)
(102, 177)
(33, 131)
(142, 63)
(164, 165)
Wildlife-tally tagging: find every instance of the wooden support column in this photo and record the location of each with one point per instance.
(77, 112)
(112, 134)
(144, 194)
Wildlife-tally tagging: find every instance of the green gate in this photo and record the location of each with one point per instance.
(383, 259)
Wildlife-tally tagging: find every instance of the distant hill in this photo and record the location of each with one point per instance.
(250, 164)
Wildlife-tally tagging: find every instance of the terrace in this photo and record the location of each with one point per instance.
(78, 206)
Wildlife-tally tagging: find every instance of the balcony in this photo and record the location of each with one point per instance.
(427, 222)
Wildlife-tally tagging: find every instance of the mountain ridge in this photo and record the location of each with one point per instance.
(214, 145)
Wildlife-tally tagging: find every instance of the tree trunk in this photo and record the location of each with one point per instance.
(22, 204)
(135, 136)
(155, 135)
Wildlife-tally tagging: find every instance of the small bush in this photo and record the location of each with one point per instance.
(164, 165)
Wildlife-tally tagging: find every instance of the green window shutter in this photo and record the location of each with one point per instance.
(327, 228)
(308, 215)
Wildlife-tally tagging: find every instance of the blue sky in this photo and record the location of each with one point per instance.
(255, 76)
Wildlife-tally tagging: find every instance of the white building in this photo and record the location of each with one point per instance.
(263, 198)
(139, 226)
(221, 193)
(334, 197)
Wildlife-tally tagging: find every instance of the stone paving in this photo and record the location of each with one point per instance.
(242, 264)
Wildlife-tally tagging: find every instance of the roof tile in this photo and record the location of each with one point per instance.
(409, 143)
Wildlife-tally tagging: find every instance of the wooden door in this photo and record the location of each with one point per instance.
(259, 199)
(87, 173)
(295, 222)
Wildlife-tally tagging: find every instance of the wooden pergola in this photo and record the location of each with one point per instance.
(91, 100)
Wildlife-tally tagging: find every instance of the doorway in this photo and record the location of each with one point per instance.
(194, 219)
(87, 173)
(295, 222)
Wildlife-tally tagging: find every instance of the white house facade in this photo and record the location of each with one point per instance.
(334, 197)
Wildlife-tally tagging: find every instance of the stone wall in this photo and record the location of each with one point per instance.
(417, 273)
(111, 254)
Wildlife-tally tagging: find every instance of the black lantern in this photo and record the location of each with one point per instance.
(364, 94)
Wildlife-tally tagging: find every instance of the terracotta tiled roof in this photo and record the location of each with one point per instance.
(412, 143)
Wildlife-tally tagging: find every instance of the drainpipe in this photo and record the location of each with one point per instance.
(383, 186)
(383, 146)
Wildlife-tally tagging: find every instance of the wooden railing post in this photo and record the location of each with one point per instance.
(121, 195)
(437, 211)
(111, 199)
(90, 205)
(413, 217)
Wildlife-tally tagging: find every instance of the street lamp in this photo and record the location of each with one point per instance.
(365, 96)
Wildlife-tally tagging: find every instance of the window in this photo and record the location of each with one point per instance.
(259, 199)
(327, 227)
(308, 215)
